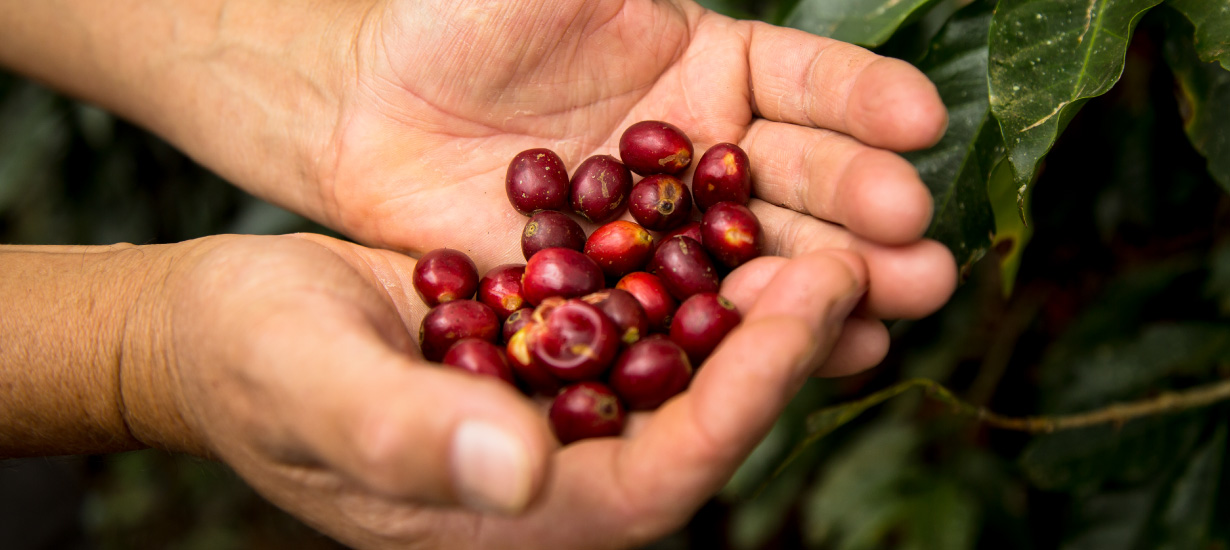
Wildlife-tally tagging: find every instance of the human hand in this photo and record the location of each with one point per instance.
(291, 359)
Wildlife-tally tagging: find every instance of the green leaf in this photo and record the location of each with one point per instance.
(1183, 519)
(1204, 99)
(1212, 21)
(957, 168)
(863, 22)
(1010, 207)
(1046, 59)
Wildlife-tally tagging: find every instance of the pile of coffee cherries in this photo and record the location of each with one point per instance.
(599, 350)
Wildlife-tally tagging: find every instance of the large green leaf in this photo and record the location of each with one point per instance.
(1205, 101)
(957, 168)
(1047, 58)
(1183, 519)
(864, 22)
(1212, 21)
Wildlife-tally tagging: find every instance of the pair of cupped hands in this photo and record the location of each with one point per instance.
(293, 358)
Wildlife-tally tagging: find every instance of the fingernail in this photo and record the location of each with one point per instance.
(491, 468)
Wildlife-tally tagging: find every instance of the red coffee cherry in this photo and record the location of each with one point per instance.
(516, 321)
(600, 188)
(444, 275)
(655, 147)
(690, 229)
(622, 308)
(500, 289)
(701, 322)
(619, 248)
(449, 322)
(586, 410)
(723, 173)
(732, 234)
(550, 229)
(649, 372)
(648, 289)
(537, 180)
(479, 357)
(560, 272)
(685, 268)
(660, 203)
(573, 341)
(533, 378)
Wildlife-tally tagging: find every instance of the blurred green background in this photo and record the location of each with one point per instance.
(1123, 292)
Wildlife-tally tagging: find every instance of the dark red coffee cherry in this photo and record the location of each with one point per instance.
(532, 377)
(685, 268)
(658, 303)
(560, 272)
(619, 248)
(449, 322)
(660, 203)
(444, 275)
(649, 372)
(701, 322)
(500, 289)
(479, 357)
(585, 410)
(550, 229)
(655, 147)
(690, 229)
(621, 307)
(723, 173)
(516, 321)
(732, 234)
(573, 341)
(537, 180)
(600, 188)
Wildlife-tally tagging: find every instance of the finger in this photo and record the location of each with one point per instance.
(907, 282)
(805, 79)
(876, 194)
(863, 344)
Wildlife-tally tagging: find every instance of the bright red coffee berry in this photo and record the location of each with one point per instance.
(655, 147)
(690, 229)
(573, 341)
(685, 268)
(732, 234)
(701, 322)
(560, 272)
(444, 275)
(550, 229)
(585, 410)
(723, 173)
(660, 202)
(449, 322)
(648, 289)
(533, 378)
(479, 357)
(600, 188)
(537, 180)
(619, 248)
(516, 321)
(649, 372)
(621, 307)
(500, 289)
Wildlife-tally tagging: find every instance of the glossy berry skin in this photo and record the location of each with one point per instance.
(658, 303)
(655, 147)
(622, 308)
(444, 275)
(537, 180)
(479, 357)
(532, 377)
(701, 322)
(732, 234)
(690, 229)
(560, 272)
(516, 321)
(649, 372)
(573, 341)
(500, 289)
(722, 174)
(449, 322)
(586, 410)
(550, 229)
(660, 203)
(599, 188)
(619, 248)
(685, 268)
